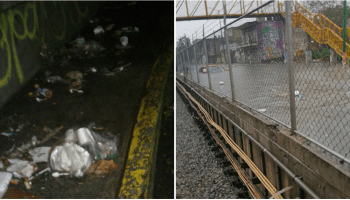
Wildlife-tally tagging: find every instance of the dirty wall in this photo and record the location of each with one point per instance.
(25, 27)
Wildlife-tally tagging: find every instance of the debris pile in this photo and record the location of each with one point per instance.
(81, 151)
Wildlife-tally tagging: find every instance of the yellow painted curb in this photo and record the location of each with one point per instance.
(140, 166)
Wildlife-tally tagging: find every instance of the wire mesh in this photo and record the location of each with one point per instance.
(257, 48)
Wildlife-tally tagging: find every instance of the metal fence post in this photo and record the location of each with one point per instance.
(228, 53)
(195, 60)
(188, 61)
(289, 37)
(207, 58)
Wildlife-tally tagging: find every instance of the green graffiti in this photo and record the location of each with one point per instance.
(265, 29)
(4, 43)
(8, 31)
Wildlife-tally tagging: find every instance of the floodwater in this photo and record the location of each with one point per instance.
(322, 104)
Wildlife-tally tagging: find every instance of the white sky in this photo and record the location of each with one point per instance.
(190, 27)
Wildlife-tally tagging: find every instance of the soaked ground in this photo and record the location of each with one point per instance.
(112, 102)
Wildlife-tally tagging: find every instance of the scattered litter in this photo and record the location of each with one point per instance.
(16, 164)
(124, 40)
(39, 173)
(297, 94)
(262, 110)
(43, 91)
(24, 146)
(75, 90)
(77, 158)
(102, 167)
(26, 183)
(8, 134)
(93, 69)
(57, 174)
(222, 83)
(14, 181)
(23, 168)
(119, 69)
(5, 178)
(40, 154)
(38, 99)
(75, 79)
(71, 158)
(53, 79)
(98, 30)
(34, 140)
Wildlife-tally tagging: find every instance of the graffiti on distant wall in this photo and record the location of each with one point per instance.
(15, 19)
(270, 40)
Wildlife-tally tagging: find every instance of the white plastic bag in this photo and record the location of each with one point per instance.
(71, 158)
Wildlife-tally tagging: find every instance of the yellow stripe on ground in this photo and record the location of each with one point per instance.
(140, 166)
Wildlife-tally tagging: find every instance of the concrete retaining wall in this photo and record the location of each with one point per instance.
(327, 178)
(25, 26)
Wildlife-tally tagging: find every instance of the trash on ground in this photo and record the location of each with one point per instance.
(5, 178)
(57, 174)
(70, 157)
(54, 79)
(26, 183)
(93, 69)
(8, 134)
(222, 83)
(14, 181)
(124, 41)
(297, 94)
(40, 154)
(75, 90)
(119, 69)
(43, 91)
(35, 140)
(77, 158)
(23, 167)
(262, 110)
(75, 79)
(98, 30)
(39, 173)
(102, 167)
(24, 146)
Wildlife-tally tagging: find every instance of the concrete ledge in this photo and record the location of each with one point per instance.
(140, 166)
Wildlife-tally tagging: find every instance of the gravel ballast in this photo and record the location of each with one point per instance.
(198, 173)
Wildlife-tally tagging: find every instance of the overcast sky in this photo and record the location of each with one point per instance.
(190, 27)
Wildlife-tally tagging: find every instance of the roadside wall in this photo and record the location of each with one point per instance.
(328, 178)
(25, 27)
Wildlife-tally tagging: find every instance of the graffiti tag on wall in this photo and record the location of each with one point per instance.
(18, 19)
(270, 40)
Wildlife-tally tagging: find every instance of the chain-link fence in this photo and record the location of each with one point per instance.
(301, 81)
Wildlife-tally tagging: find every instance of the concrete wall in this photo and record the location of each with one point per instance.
(327, 178)
(25, 26)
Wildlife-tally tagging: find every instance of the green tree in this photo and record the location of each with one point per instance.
(333, 10)
(181, 43)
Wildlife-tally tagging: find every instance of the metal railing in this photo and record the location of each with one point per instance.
(281, 72)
